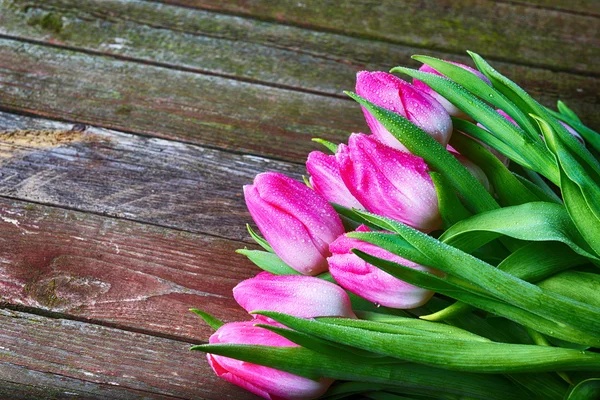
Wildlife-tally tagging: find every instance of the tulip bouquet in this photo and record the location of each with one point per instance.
(453, 253)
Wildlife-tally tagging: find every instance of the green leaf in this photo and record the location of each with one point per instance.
(509, 189)
(329, 145)
(527, 104)
(451, 209)
(437, 157)
(566, 111)
(420, 378)
(408, 326)
(350, 388)
(325, 346)
(209, 319)
(453, 311)
(537, 221)
(579, 185)
(258, 239)
(452, 354)
(521, 316)
(485, 136)
(590, 136)
(532, 152)
(477, 86)
(501, 285)
(577, 285)
(538, 260)
(268, 261)
(306, 182)
(542, 192)
(533, 262)
(586, 390)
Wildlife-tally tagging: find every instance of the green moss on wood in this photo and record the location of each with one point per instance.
(48, 21)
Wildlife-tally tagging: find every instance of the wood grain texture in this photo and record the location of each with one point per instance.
(173, 104)
(20, 383)
(110, 357)
(586, 7)
(504, 30)
(203, 109)
(216, 43)
(144, 179)
(119, 272)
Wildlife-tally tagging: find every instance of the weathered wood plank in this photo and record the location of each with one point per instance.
(20, 383)
(587, 7)
(205, 109)
(119, 272)
(144, 179)
(158, 101)
(214, 43)
(109, 356)
(504, 30)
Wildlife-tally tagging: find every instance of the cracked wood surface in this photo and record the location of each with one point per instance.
(114, 233)
(145, 179)
(103, 361)
(501, 29)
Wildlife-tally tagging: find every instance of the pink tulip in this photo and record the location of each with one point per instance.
(297, 222)
(450, 108)
(266, 382)
(370, 282)
(389, 182)
(326, 180)
(301, 296)
(394, 94)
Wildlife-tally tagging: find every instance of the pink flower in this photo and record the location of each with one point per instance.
(301, 296)
(394, 94)
(370, 282)
(266, 382)
(296, 221)
(326, 180)
(450, 108)
(389, 182)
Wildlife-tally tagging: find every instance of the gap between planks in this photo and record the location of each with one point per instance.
(107, 356)
(483, 26)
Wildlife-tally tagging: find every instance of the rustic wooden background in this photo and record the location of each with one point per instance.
(127, 129)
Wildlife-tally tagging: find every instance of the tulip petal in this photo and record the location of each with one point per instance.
(370, 282)
(301, 296)
(286, 234)
(389, 182)
(326, 180)
(390, 92)
(263, 381)
(294, 198)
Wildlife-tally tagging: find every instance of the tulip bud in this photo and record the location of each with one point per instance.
(297, 222)
(301, 296)
(394, 94)
(266, 382)
(325, 179)
(389, 182)
(370, 282)
(450, 108)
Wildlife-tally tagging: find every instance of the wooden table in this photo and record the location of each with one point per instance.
(129, 128)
